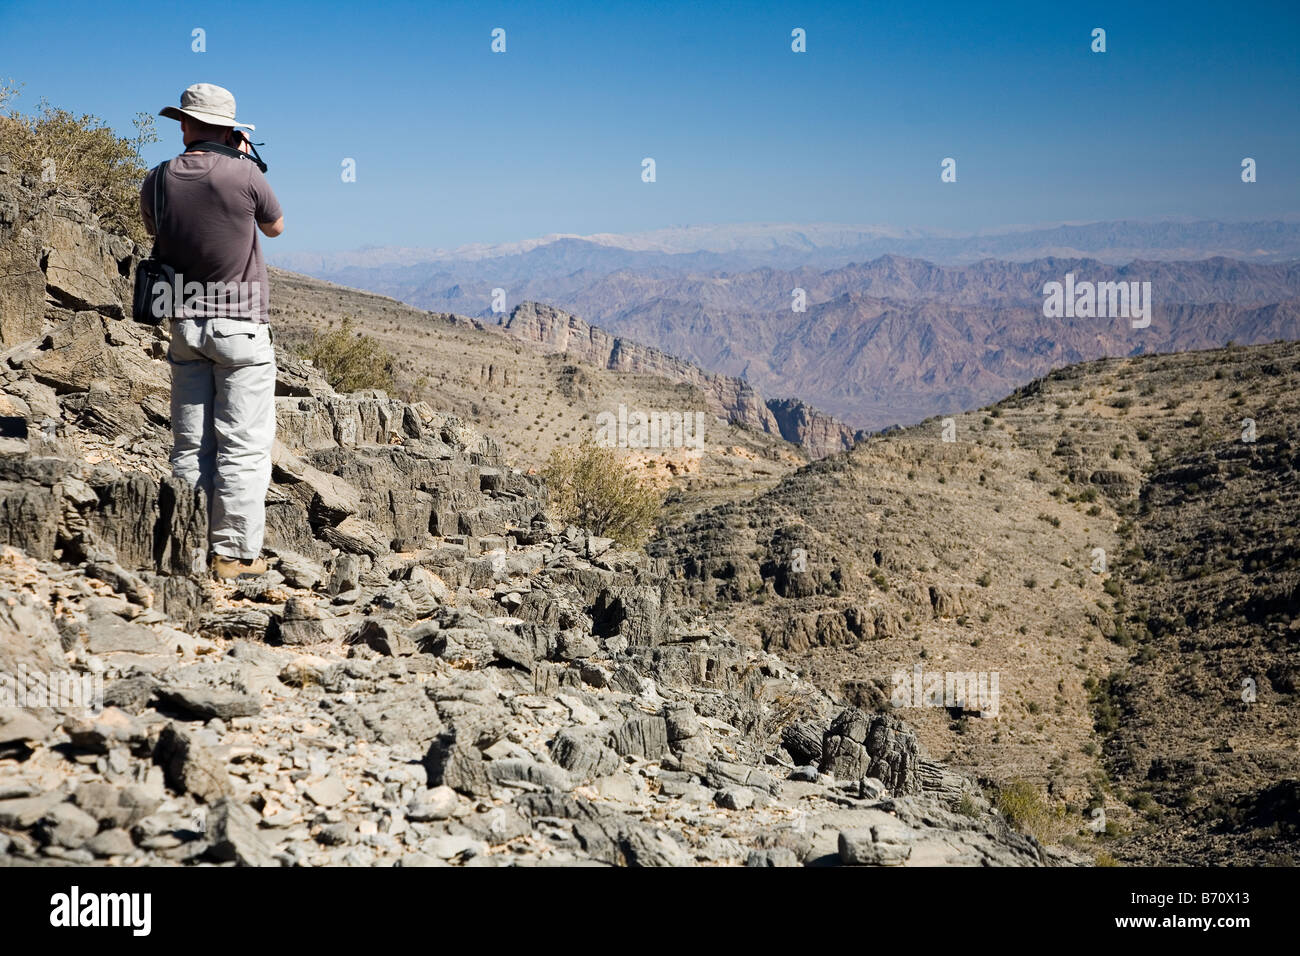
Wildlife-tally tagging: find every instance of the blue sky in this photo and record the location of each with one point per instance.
(455, 144)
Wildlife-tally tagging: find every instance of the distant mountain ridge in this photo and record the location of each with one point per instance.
(746, 245)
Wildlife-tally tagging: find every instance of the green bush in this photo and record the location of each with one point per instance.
(349, 360)
(60, 149)
(590, 487)
(1028, 811)
(1105, 707)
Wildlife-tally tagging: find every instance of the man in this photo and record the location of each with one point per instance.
(221, 356)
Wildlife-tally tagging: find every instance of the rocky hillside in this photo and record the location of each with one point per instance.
(554, 331)
(430, 674)
(1114, 541)
(534, 399)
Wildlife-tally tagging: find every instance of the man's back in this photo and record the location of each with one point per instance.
(209, 235)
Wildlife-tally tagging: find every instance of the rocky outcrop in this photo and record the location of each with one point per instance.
(554, 330)
(812, 428)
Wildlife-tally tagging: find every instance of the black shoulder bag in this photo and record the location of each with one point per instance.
(151, 304)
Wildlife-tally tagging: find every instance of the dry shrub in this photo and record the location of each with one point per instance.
(61, 150)
(349, 360)
(590, 487)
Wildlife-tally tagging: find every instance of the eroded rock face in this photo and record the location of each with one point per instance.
(858, 745)
(553, 330)
(51, 246)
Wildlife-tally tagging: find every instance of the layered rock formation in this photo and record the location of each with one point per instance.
(554, 330)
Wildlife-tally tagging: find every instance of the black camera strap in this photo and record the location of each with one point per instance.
(225, 150)
(159, 203)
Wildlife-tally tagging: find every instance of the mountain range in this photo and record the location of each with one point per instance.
(746, 245)
(881, 342)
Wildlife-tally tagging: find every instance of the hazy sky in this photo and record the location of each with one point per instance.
(456, 144)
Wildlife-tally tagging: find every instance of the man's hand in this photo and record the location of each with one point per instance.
(272, 229)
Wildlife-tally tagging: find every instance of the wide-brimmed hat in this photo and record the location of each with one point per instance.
(207, 104)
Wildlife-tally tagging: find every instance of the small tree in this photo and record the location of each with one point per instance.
(590, 488)
(82, 153)
(349, 360)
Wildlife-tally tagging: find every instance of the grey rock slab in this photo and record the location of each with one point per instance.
(299, 571)
(112, 842)
(447, 847)
(131, 694)
(575, 645)
(22, 812)
(336, 834)
(190, 767)
(681, 720)
(772, 856)
(584, 752)
(687, 791)
(110, 634)
(723, 773)
(67, 825)
(21, 727)
(328, 792)
(437, 803)
(735, 798)
(111, 728)
(208, 702)
(233, 835)
(642, 735)
(116, 806)
(644, 845)
(879, 839)
(506, 772)
(388, 637)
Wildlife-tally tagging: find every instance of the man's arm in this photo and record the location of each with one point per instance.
(266, 208)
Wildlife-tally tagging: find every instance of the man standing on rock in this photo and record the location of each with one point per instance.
(222, 359)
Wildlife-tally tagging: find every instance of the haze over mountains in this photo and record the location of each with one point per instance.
(880, 342)
(744, 245)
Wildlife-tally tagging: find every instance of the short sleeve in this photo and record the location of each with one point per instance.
(266, 208)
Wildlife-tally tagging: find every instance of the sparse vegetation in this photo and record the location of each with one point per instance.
(591, 488)
(966, 806)
(62, 150)
(1027, 810)
(350, 360)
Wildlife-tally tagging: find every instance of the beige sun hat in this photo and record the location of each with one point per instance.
(207, 104)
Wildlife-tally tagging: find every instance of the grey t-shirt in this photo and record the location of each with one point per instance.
(209, 234)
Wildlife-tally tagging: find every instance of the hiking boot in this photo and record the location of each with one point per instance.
(228, 569)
